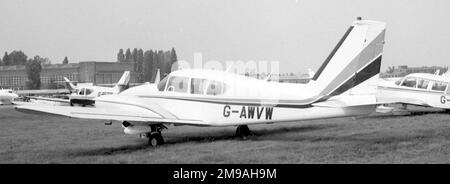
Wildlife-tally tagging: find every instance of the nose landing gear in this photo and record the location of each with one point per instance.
(154, 137)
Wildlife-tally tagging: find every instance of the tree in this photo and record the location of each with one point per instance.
(121, 56)
(155, 64)
(128, 57)
(65, 61)
(33, 69)
(390, 69)
(173, 60)
(5, 58)
(134, 58)
(1, 62)
(147, 67)
(167, 62)
(160, 59)
(139, 65)
(15, 58)
(42, 61)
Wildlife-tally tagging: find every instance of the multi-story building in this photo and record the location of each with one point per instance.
(83, 72)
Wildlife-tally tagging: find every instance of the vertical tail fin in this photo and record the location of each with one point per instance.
(354, 62)
(123, 82)
(69, 84)
(158, 77)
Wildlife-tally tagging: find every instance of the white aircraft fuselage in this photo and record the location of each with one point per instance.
(7, 96)
(420, 89)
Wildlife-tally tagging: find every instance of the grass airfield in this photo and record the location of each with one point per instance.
(32, 138)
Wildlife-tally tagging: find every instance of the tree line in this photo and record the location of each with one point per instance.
(146, 64)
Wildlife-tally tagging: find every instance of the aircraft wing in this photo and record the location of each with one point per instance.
(400, 100)
(50, 99)
(118, 113)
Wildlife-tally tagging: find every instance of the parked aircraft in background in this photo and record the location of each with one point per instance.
(420, 89)
(345, 85)
(85, 95)
(7, 96)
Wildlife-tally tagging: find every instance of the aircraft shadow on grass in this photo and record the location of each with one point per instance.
(258, 135)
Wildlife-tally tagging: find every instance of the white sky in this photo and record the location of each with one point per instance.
(297, 33)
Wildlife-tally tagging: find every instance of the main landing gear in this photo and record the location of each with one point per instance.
(243, 131)
(154, 137)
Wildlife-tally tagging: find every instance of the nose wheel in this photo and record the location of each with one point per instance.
(154, 137)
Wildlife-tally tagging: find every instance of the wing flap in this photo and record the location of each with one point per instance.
(50, 99)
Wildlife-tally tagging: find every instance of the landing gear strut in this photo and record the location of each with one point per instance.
(154, 137)
(243, 131)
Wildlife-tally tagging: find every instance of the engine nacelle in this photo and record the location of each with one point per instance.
(137, 129)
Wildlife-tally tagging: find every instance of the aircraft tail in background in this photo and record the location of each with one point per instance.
(70, 85)
(123, 82)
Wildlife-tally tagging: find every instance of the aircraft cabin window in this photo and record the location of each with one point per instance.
(439, 86)
(409, 82)
(162, 84)
(89, 91)
(82, 90)
(216, 88)
(178, 84)
(198, 86)
(422, 84)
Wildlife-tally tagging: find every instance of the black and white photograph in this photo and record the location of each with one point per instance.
(240, 82)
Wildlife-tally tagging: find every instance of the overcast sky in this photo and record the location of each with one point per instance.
(297, 33)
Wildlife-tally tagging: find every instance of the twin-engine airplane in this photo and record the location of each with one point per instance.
(345, 85)
(85, 95)
(419, 89)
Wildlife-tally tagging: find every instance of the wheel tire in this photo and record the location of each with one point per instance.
(155, 140)
(71, 104)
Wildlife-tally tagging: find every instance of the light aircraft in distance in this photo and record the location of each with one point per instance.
(7, 96)
(345, 85)
(419, 89)
(85, 95)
